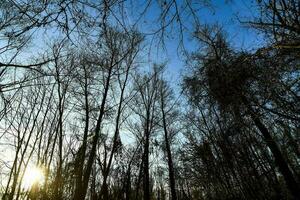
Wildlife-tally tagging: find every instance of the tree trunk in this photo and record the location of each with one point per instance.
(282, 165)
(80, 192)
(169, 153)
(146, 186)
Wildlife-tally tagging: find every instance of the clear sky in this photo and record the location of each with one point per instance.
(225, 13)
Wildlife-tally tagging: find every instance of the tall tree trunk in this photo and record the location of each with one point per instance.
(128, 183)
(80, 192)
(104, 188)
(169, 153)
(279, 159)
(146, 182)
(58, 186)
(82, 149)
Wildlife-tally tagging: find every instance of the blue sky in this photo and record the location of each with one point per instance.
(224, 13)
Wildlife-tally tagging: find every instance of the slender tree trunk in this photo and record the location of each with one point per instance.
(82, 149)
(128, 183)
(58, 186)
(80, 193)
(279, 159)
(146, 182)
(23, 151)
(169, 153)
(104, 188)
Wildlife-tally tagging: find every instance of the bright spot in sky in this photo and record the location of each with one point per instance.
(33, 176)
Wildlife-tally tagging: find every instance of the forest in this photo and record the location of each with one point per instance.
(149, 100)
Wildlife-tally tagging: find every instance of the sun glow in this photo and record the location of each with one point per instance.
(33, 176)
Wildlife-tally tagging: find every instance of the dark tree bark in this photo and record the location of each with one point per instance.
(280, 162)
(168, 149)
(80, 192)
(146, 181)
